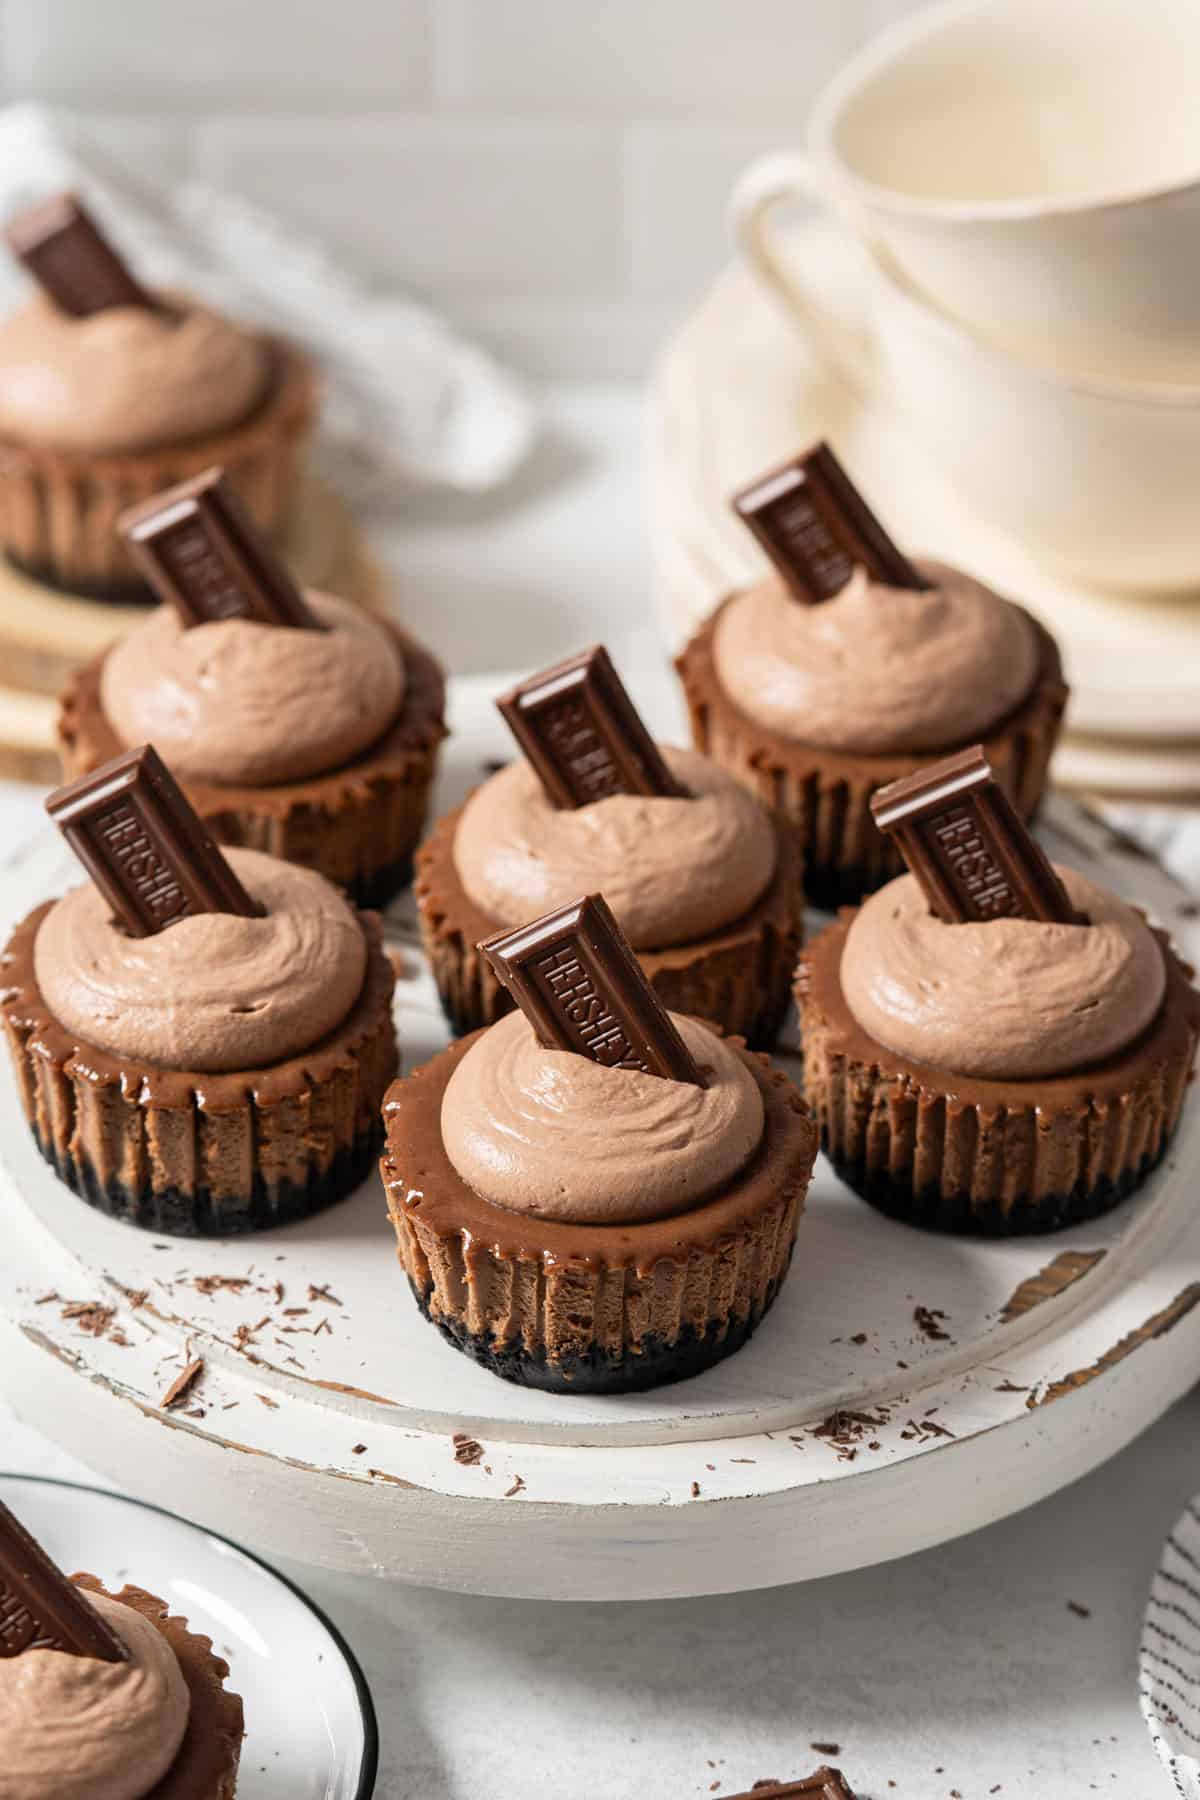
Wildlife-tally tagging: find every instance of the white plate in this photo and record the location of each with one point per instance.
(1169, 1658)
(310, 1723)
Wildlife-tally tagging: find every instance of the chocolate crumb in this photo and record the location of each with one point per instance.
(358, 1450)
(1010, 1387)
(826, 1749)
(467, 1450)
(1081, 1612)
(182, 1383)
(90, 1316)
(47, 1298)
(860, 1337)
(926, 1319)
(322, 1293)
(695, 1490)
(267, 1401)
(517, 1487)
(213, 1284)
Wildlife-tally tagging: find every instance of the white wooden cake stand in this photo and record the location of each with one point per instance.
(738, 388)
(906, 1386)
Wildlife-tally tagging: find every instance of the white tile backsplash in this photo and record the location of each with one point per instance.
(330, 55)
(703, 58)
(551, 172)
(481, 208)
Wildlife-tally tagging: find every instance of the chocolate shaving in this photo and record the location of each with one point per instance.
(200, 550)
(143, 845)
(822, 1784)
(182, 1383)
(578, 983)
(40, 1609)
(965, 842)
(68, 256)
(817, 529)
(582, 734)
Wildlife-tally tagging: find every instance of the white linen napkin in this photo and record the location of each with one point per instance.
(405, 399)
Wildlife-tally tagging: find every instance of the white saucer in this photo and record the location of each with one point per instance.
(738, 388)
(310, 1723)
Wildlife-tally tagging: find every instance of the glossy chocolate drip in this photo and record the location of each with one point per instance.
(201, 552)
(968, 847)
(140, 840)
(817, 529)
(574, 976)
(62, 247)
(39, 1607)
(583, 735)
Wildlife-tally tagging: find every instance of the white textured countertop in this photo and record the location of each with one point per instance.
(961, 1671)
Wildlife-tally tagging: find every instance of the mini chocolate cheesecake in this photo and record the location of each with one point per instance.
(992, 1045)
(638, 1222)
(851, 666)
(297, 724)
(104, 1693)
(110, 393)
(706, 885)
(214, 1059)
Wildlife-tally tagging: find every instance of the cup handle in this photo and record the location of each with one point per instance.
(778, 180)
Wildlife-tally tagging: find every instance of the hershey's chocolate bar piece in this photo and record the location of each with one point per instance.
(963, 839)
(579, 984)
(40, 1609)
(64, 250)
(140, 840)
(816, 528)
(583, 735)
(822, 1784)
(200, 550)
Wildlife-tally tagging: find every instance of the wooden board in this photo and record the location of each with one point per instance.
(45, 634)
(328, 1433)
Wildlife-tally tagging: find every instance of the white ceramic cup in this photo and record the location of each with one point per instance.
(1030, 166)
(1095, 479)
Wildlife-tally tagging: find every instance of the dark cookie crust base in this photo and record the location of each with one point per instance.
(372, 892)
(936, 1211)
(657, 1365)
(173, 1213)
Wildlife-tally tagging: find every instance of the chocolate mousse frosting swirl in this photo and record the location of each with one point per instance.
(246, 704)
(214, 991)
(1003, 998)
(75, 1728)
(127, 378)
(549, 1133)
(877, 669)
(672, 869)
